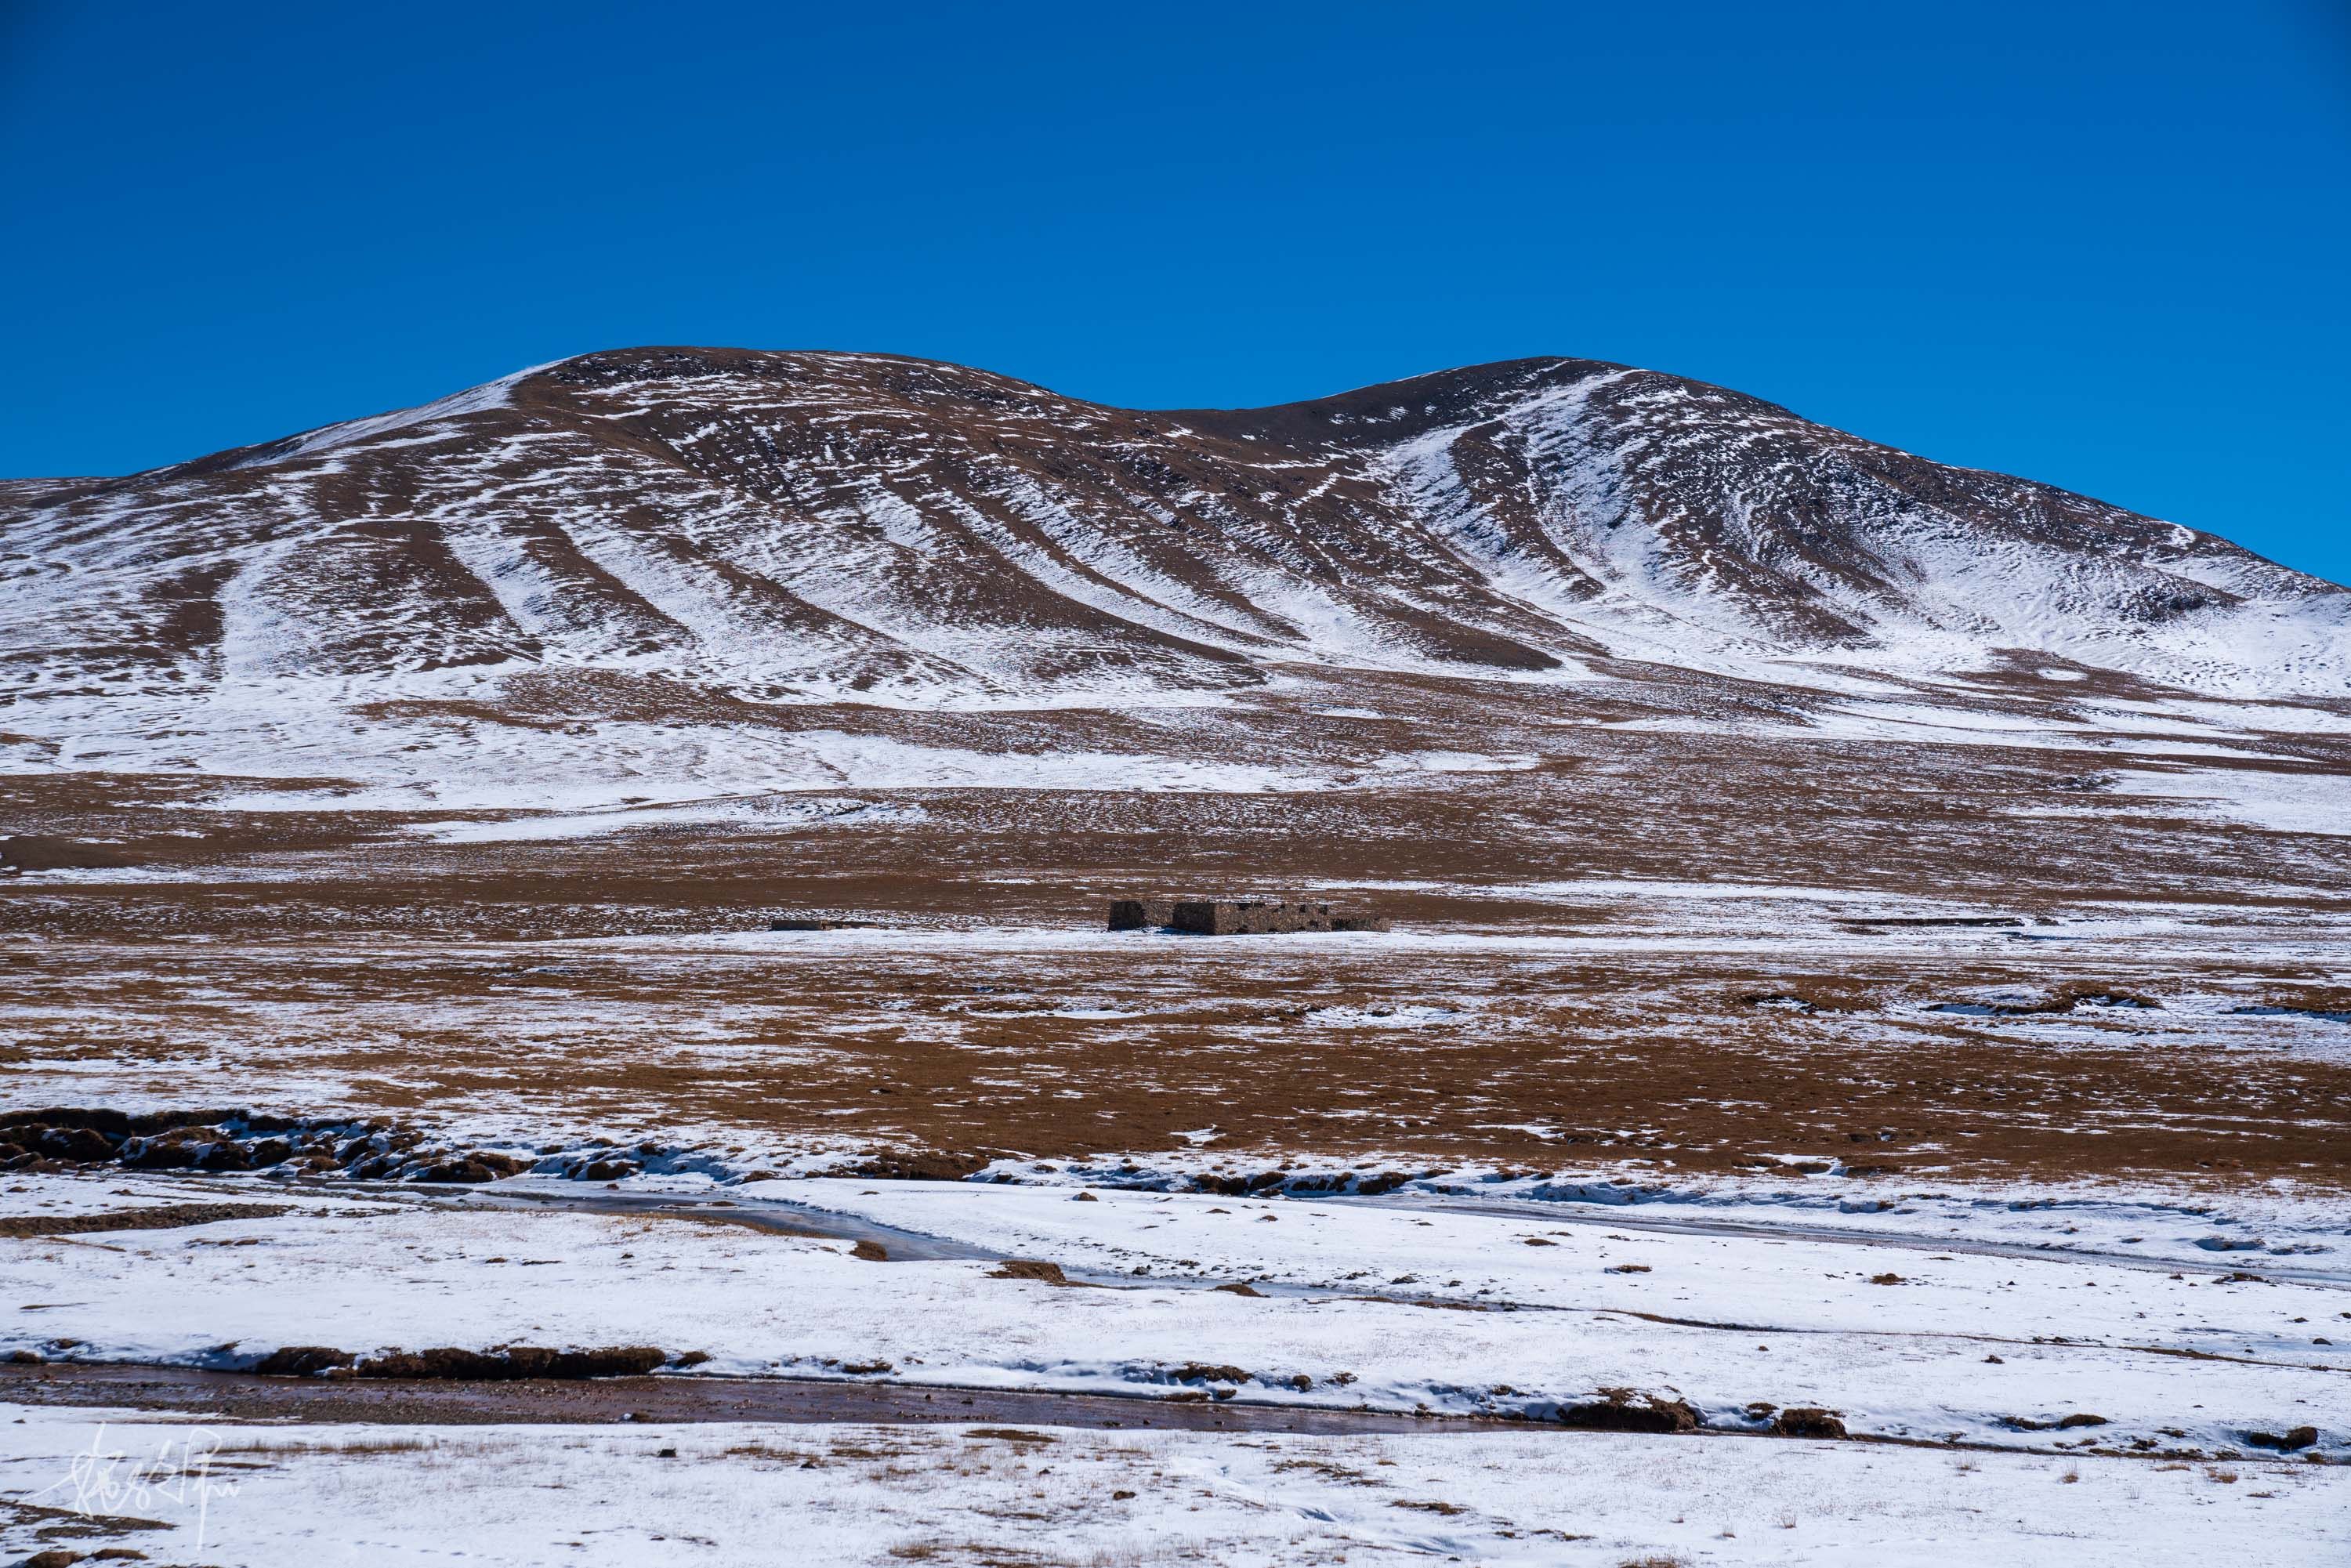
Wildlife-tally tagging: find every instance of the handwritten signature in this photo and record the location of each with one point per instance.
(111, 1480)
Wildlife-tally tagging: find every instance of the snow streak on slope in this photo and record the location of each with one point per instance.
(1683, 524)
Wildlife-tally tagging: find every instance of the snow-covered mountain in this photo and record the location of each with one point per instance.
(729, 527)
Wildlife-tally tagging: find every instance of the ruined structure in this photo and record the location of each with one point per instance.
(1247, 916)
(1142, 914)
(1234, 916)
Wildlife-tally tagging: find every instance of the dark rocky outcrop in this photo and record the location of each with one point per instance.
(2287, 1441)
(211, 1140)
(920, 1166)
(510, 1361)
(477, 1167)
(1621, 1410)
(1808, 1421)
(500, 1363)
(160, 1216)
(303, 1361)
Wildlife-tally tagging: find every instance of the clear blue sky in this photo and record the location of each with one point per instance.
(2103, 246)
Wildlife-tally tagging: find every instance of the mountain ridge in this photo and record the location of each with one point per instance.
(242, 455)
(823, 528)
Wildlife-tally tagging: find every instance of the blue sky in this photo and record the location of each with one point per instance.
(2102, 246)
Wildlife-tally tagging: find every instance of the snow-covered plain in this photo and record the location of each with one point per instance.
(1988, 1339)
(1057, 1498)
(342, 746)
(1919, 1332)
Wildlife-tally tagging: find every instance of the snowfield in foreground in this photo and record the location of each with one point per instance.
(1413, 1307)
(727, 1493)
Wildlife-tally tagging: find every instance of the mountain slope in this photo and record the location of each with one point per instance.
(816, 528)
(811, 524)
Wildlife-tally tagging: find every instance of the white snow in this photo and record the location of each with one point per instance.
(651, 1495)
(1720, 1318)
(2280, 802)
(765, 812)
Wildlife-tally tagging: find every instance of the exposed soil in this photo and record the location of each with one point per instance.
(162, 1217)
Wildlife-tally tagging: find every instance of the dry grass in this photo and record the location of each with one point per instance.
(330, 1448)
(1328, 1470)
(768, 1453)
(305, 992)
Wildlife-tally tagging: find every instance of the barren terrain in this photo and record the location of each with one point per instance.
(1691, 952)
